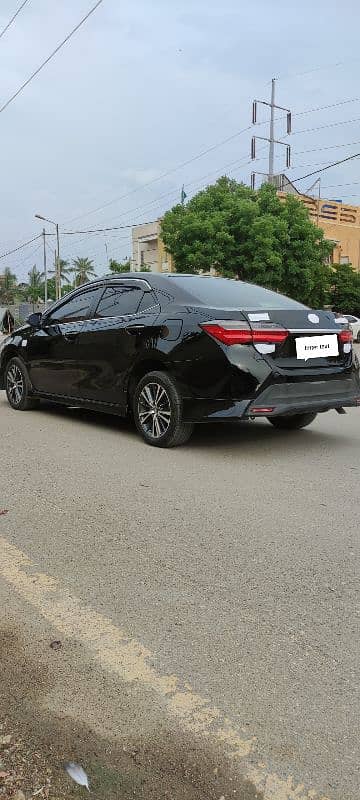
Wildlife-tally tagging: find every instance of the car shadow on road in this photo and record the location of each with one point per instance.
(236, 435)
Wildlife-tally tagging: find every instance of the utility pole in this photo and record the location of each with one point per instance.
(271, 132)
(57, 256)
(45, 270)
(271, 138)
(58, 273)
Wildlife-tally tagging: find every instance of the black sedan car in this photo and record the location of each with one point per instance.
(174, 350)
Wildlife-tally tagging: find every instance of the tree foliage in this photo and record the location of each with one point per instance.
(83, 269)
(119, 266)
(345, 293)
(64, 270)
(34, 290)
(8, 289)
(253, 236)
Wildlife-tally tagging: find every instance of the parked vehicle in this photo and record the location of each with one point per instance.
(174, 350)
(354, 323)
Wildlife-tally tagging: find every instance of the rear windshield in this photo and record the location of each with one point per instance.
(224, 293)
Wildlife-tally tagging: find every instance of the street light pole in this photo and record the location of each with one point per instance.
(45, 270)
(57, 259)
(58, 273)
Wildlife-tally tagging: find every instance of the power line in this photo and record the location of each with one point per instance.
(9, 253)
(21, 88)
(329, 125)
(317, 69)
(335, 163)
(164, 174)
(325, 108)
(13, 18)
(340, 185)
(328, 147)
(211, 149)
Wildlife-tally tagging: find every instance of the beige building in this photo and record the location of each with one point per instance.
(339, 221)
(148, 249)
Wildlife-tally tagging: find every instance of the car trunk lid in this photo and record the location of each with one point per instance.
(309, 334)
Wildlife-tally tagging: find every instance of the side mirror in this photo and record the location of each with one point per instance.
(35, 320)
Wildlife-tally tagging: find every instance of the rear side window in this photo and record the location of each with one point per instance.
(118, 301)
(223, 293)
(148, 300)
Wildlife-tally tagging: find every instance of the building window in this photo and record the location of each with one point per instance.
(344, 260)
(142, 261)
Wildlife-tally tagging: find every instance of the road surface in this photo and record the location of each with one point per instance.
(204, 598)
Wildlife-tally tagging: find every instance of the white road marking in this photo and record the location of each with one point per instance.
(118, 653)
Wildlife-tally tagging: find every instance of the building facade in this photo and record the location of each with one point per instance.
(148, 249)
(340, 223)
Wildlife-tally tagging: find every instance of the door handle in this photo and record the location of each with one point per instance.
(70, 337)
(135, 328)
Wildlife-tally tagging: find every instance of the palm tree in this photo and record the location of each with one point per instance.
(35, 284)
(8, 287)
(84, 270)
(64, 271)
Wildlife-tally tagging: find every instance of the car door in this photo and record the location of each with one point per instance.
(54, 355)
(112, 340)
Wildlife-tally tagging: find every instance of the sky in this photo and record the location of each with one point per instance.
(145, 86)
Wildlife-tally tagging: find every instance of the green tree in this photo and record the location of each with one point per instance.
(51, 289)
(36, 285)
(83, 269)
(253, 236)
(8, 288)
(345, 291)
(119, 266)
(64, 270)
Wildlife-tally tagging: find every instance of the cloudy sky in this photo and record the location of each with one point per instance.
(144, 87)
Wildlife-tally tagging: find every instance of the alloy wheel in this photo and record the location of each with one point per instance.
(15, 385)
(154, 410)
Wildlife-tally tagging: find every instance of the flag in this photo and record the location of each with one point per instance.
(183, 195)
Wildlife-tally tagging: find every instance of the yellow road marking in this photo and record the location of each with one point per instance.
(118, 653)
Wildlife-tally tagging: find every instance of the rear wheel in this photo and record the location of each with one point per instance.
(17, 386)
(157, 407)
(292, 423)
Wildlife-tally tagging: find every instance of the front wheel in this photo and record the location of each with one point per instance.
(292, 423)
(157, 407)
(17, 386)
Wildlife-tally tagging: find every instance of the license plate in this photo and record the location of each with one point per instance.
(317, 346)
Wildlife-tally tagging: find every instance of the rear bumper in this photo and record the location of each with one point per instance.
(279, 399)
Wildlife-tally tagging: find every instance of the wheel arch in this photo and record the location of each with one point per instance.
(10, 352)
(151, 364)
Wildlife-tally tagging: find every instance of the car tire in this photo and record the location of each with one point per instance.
(157, 409)
(358, 338)
(17, 386)
(292, 423)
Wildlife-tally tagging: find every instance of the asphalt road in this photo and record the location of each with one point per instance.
(233, 561)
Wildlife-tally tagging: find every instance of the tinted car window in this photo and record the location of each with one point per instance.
(77, 308)
(223, 293)
(148, 301)
(117, 301)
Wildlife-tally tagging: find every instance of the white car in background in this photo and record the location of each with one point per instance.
(354, 323)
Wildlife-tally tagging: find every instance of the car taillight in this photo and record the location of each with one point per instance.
(229, 332)
(345, 336)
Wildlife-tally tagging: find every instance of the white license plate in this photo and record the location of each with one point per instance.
(317, 346)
